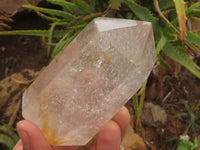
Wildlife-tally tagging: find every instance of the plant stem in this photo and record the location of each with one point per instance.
(138, 121)
(20, 82)
(107, 11)
(162, 16)
(188, 43)
(13, 117)
(50, 38)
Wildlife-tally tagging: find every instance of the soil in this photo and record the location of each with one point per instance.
(165, 87)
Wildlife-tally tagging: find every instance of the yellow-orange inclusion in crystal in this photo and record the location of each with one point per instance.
(50, 134)
(93, 59)
(46, 129)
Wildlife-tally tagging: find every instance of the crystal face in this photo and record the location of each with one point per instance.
(90, 80)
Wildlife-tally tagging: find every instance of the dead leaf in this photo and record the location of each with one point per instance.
(180, 10)
(14, 6)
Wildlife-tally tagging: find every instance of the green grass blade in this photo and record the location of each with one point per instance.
(144, 14)
(80, 26)
(180, 57)
(60, 45)
(40, 14)
(196, 107)
(135, 104)
(142, 131)
(142, 97)
(180, 115)
(138, 108)
(70, 7)
(71, 38)
(171, 139)
(193, 38)
(189, 110)
(198, 115)
(46, 17)
(57, 51)
(52, 12)
(56, 33)
(25, 32)
(50, 37)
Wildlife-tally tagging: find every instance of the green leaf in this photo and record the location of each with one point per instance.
(82, 4)
(161, 44)
(8, 141)
(193, 38)
(180, 57)
(115, 4)
(70, 7)
(141, 12)
(111, 13)
(165, 4)
(162, 63)
(53, 12)
(196, 12)
(168, 33)
(144, 14)
(187, 145)
(93, 4)
(191, 8)
(8, 136)
(195, 5)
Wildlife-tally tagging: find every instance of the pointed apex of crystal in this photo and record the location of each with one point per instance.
(90, 80)
(105, 24)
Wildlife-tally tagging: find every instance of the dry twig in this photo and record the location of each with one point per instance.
(13, 117)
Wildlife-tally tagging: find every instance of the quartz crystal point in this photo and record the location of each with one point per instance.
(90, 80)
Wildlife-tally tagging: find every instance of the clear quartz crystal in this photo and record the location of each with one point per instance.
(90, 80)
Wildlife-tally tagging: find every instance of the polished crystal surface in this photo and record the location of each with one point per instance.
(90, 80)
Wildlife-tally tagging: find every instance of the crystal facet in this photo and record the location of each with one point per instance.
(90, 80)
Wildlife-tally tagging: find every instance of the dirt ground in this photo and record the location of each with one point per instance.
(26, 56)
